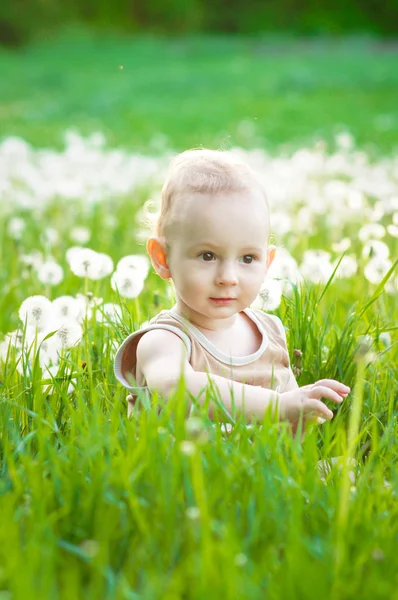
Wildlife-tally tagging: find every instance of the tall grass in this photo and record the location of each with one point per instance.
(97, 506)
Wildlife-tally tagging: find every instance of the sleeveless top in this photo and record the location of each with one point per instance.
(268, 367)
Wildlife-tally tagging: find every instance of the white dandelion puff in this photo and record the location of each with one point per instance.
(35, 311)
(109, 313)
(13, 342)
(106, 267)
(72, 252)
(87, 304)
(16, 228)
(68, 333)
(376, 269)
(65, 307)
(50, 273)
(80, 235)
(137, 262)
(345, 140)
(316, 266)
(50, 236)
(376, 249)
(371, 231)
(270, 295)
(90, 264)
(127, 283)
(391, 286)
(33, 260)
(347, 267)
(284, 266)
(341, 246)
(393, 230)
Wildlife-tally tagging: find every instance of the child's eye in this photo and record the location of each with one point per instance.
(251, 257)
(206, 254)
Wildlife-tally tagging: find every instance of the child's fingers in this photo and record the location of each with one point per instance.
(316, 406)
(337, 386)
(321, 391)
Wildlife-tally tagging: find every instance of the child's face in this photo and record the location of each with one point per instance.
(220, 250)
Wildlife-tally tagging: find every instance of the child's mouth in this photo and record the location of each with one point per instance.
(222, 301)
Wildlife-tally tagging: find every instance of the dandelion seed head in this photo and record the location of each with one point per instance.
(65, 307)
(36, 311)
(270, 295)
(137, 262)
(50, 237)
(393, 230)
(376, 269)
(34, 259)
(68, 333)
(375, 249)
(16, 228)
(109, 313)
(50, 273)
(80, 235)
(127, 283)
(347, 267)
(371, 231)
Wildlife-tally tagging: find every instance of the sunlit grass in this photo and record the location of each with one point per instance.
(94, 505)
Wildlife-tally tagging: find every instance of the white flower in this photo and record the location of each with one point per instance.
(50, 273)
(344, 140)
(270, 295)
(66, 307)
(34, 259)
(13, 341)
(127, 283)
(393, 230)
(109, 313)
(72, 252)
(68, 333)
(50, 236)
(347, 268)
(284, 266)
(139, 263)
(90, 264)
(375, 249)
(391, 286)
(376, 269)
(16, 228)
(86, 305)
(341, 246)
(35, 311)
(371, 231)
(316, 266)
(106, 266)
(80, 235)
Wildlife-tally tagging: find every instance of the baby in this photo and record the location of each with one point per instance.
(211, 239)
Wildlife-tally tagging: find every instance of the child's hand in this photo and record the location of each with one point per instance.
(306, 400)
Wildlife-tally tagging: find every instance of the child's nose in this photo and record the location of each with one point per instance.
(227, 274)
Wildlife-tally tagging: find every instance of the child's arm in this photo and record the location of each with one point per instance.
(163, 358)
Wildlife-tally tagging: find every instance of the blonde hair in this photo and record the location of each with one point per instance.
(204, 172)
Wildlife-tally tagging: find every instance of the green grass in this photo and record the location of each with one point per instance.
(97, 506)
(198, 91)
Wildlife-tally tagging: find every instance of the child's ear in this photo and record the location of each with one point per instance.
(156, 248)
(270, 255)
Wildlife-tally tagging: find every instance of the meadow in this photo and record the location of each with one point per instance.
(95, 505)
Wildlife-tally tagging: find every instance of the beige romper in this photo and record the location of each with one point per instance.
(268, 367)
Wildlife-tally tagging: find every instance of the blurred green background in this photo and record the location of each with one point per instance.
(182, 73)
